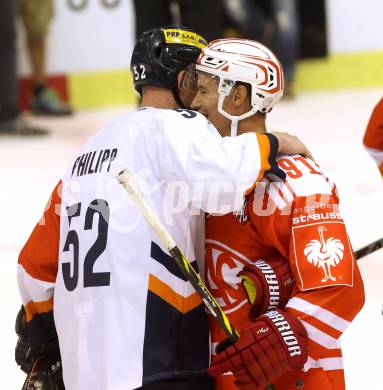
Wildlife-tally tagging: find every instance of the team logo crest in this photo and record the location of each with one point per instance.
(323, 255)
(222, 267)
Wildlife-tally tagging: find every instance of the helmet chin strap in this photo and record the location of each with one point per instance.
(234, 126)
(234, 118)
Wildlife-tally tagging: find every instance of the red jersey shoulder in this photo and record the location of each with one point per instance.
(304, 179)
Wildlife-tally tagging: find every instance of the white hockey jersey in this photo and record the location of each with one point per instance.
(124, 313)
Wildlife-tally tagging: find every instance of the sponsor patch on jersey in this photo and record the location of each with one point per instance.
(184, 37)
(323, 255)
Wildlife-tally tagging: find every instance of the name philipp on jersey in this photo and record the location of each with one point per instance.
(285, 331)
(94, 162)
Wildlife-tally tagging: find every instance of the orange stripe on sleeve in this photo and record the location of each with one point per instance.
(182, 304)
(33, 308)
(39, 256)
(264, 152)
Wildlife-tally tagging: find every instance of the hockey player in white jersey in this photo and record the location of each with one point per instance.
(94, 271)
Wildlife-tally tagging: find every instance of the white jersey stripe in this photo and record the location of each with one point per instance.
(320, 313)
(376, 154)
(181, 287)
(33, 289)
(327, 364)
(335, 363)
(320, 337)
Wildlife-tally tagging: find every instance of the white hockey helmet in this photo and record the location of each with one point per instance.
(246, 61)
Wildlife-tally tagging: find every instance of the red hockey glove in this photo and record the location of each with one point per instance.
(275, 343)
(268, 284)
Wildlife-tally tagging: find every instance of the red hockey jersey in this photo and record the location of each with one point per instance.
(298, 221)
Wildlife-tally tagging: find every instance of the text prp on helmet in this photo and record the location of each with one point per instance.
(160, 54)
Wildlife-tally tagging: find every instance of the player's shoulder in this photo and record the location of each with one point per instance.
(304, 177)
(148, 117)
(185, 116)
(160, 118)
(137, 118)
(186, 125)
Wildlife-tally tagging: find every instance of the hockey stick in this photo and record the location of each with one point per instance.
(41, 377)
(366, 250)
(126, 179)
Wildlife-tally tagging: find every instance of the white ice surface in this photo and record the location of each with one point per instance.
(332, 124)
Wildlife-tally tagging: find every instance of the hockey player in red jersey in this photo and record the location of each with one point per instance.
(373, 138)
(289, 332)
(93, 269)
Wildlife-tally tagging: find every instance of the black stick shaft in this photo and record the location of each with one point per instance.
(366, 250)
(204, 293)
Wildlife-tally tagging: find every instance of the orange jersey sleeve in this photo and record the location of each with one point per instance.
(37, 270)
(373, 137)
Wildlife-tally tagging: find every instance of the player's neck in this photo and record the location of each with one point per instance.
(255, 123)
(158, 97)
